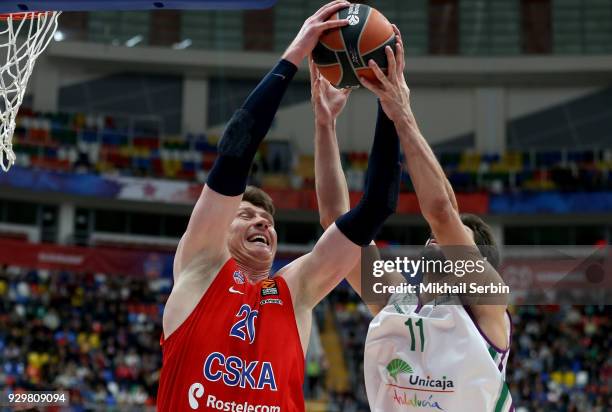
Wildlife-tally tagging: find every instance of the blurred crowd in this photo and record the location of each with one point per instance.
(84, 143)
(97, 336)
(561, 359)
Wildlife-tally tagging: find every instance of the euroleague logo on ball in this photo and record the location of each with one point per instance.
(353, 17)
(341, 53)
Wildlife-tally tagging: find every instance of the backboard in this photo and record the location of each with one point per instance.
(16, 6)
(28, 26)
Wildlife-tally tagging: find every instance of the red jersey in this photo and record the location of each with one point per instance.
(239, 350)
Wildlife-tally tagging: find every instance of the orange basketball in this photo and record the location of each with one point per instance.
(342, 54)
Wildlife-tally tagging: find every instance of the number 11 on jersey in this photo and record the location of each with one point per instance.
(419, 324)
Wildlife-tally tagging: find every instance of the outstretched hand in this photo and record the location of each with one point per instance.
(391, 88)
(311, 30)
(327, 101)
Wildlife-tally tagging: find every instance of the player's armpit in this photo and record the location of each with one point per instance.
(492, 322)
(207, 229)
(311, 277)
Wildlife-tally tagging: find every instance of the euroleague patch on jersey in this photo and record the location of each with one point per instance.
(271, 301)
(238, 277)
(269, 288)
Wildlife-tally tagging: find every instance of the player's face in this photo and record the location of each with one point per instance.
(252, 237)
(431, 242)
(433, 251)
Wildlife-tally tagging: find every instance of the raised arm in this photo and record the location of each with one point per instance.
(427, 175)
(337, 253)
(214, 211)
(436, 199)
(330, 182)
(207, 230)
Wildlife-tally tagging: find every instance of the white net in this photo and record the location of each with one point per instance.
(23, 37)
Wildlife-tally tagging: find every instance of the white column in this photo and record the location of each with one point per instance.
(44, 85)
(65, 226)
(490, 119)
(195, 105)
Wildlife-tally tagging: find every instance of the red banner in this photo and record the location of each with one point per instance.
(306, 199)
(82, 259)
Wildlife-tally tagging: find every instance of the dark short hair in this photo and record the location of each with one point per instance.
(483, 237)
(259, 198)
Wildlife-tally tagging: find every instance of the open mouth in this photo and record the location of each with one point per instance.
(259, 239)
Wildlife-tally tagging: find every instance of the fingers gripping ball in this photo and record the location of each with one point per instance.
(342, 54)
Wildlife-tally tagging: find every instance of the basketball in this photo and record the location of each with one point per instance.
(342, 54)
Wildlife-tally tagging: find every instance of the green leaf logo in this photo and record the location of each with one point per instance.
(397, 366)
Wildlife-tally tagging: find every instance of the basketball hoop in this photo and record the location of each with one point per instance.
(23, 37)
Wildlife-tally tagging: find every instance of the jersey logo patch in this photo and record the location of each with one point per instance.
(397, 366)
(196, 391)
(232, 290)
(271, 301)
(238, 277)
(269, 288)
